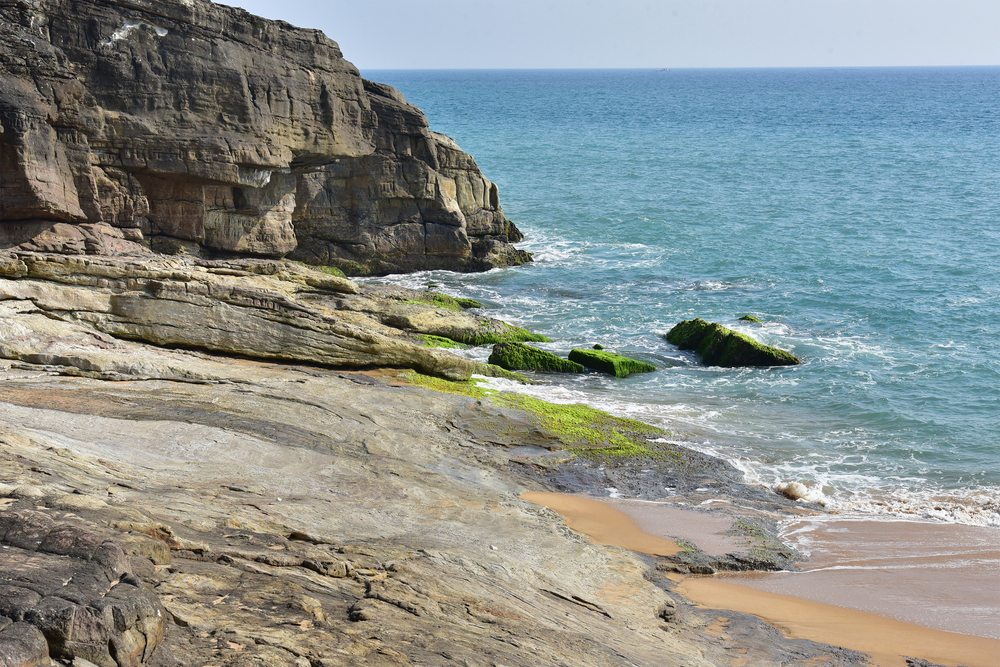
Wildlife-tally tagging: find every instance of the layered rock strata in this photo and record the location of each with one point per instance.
(196, 127)
(83, 313)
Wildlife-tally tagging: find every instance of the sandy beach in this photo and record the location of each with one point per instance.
(889, 589)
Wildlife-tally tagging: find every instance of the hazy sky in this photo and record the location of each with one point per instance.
(390, 34)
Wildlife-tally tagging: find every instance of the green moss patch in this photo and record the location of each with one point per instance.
(494, 371)
(610, 363)
(521, 357)
(469, 388)
(587, 431)
(500, 332)
(719, 346)
(751, 318)
(441, 341)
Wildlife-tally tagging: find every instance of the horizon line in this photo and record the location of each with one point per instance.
(661, 68)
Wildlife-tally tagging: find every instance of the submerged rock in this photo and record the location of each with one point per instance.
(719, 346)
(610, 363)
(193, 127)
(521, 357)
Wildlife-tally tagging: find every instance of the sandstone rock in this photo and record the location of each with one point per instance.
(719, 346)
(79, 312)
(202, 129)
(610, 363)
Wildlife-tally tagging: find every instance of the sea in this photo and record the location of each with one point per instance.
(855, 211)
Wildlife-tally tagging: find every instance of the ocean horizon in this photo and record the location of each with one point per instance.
(853, 210)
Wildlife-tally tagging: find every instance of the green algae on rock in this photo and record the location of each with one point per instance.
(719, 346)
(442, 300)
(610, 363)
(751, 318)
(521, 357)
(491, 332)
(587, 431)
(443, 342)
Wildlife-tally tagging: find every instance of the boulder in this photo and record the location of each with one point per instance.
(719, 346)
(521, 357)
(610, 363)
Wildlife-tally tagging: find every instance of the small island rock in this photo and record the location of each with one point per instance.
(719, 346)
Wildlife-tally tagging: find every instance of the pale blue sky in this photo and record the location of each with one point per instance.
(390, 34)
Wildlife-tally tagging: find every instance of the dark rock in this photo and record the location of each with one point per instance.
(610, 363)
(199, 128)
(751, 318)
(719, 346)
(74, 595)
(22, 645)
(521, 357)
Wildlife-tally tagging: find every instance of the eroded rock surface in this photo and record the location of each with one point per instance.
(194, 127)
(82, 313)
(292, 517)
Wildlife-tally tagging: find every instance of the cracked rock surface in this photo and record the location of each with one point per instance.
(68, 593)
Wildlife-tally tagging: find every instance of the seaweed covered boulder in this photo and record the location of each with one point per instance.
(719, 346)
(521, 357)
(610, 363)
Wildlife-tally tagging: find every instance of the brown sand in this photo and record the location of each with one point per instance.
(885, 639)
(603, 523)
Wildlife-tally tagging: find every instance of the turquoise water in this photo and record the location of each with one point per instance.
(855, 211)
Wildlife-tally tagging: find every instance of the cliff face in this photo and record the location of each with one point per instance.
(196, 127)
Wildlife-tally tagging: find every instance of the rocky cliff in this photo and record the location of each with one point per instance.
(199, 128)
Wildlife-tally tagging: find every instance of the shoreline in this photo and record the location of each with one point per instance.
(407, 497)
(885, 638)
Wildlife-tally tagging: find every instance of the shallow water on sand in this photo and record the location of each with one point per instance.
(936, 575)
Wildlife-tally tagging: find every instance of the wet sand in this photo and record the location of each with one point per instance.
(942, 576)
(895, 569)
(603, 524)
(885, 639)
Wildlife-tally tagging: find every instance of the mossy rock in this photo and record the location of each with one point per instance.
(521, 357)
(442, 300)
(719, 346)
(587, 431)
(751, 318)
(441, 341)
(329, 270)
(610, 363)
(495, 331)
